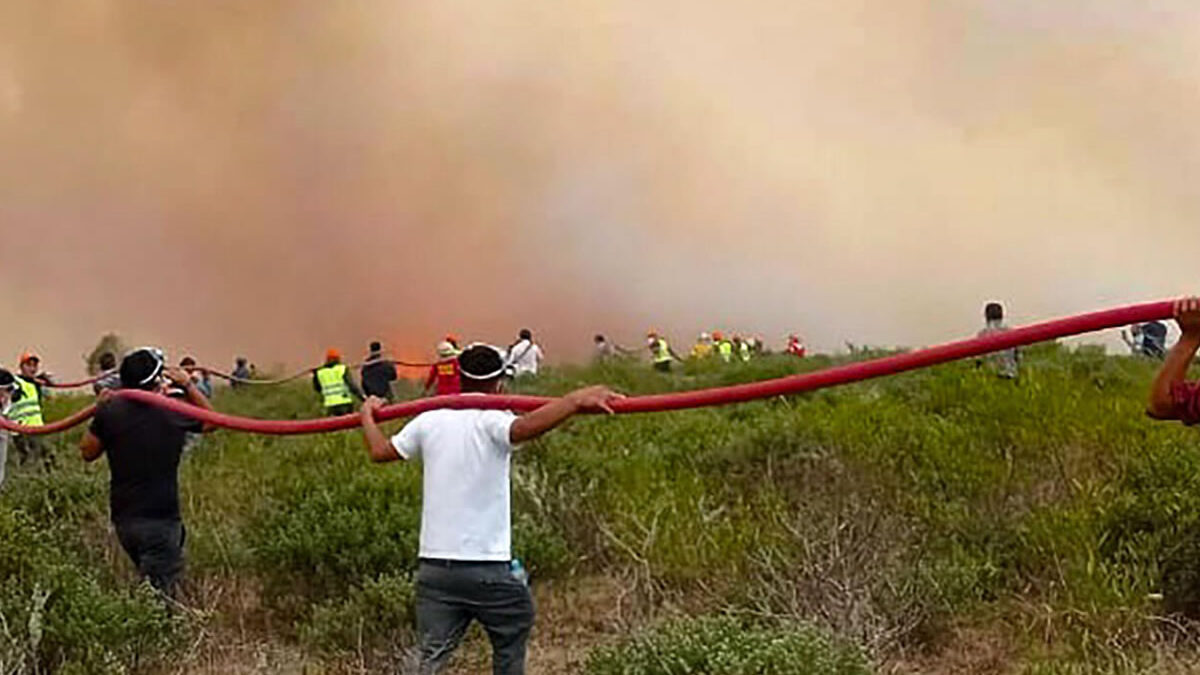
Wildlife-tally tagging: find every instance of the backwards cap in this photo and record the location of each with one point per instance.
(141, 367)
(482, 362)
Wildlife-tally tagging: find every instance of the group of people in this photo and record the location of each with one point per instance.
(707, 345)
(466, 571)
(334, 382)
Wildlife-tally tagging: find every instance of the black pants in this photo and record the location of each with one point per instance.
(662, 366)
(344, 409)
(156, 548)
(452, 594)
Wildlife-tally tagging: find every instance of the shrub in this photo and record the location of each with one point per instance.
(376, 616)
(727, 646)
(56, 616)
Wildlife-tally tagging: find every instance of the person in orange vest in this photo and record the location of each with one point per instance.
(795, 346)
(445, 373)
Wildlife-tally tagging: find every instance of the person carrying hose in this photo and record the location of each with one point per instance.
(144, 444)
(378, 372)
(335, 385)
(660, 352)
(444, 377)
(1172, 397)
(724, 348)
(27, 410)
(466, 570)
(8, 391)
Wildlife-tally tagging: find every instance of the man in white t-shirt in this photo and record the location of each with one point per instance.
(525, 355)
(466, 569)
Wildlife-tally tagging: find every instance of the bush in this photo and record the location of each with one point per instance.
(377, 616)
(727, 646)
(56, 616)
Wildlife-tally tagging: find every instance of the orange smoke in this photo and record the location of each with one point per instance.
(267, 178)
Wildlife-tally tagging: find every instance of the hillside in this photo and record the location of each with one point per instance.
(943, 521)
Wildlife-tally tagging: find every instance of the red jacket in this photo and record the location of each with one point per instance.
(445, 374)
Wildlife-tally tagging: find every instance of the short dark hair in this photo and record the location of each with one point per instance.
(139, 369)
(480, 361)
(376, 346)
(241, 360)
(993, 311)
(599, 338)
(187, 361)
(526, 334)
(108, 361)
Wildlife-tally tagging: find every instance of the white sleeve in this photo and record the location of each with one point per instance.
(407, 441)
(497, 426)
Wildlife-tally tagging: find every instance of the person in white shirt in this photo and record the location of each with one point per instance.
(466, 569)
(8, 387)
(525, 355)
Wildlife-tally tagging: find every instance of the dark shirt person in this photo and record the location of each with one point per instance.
(378, 373)
(143, 444)
(241, 371)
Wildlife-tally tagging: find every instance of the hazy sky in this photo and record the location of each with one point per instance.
(271, 177)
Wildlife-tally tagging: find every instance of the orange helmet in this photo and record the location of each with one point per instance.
(27, 357)
(332, 354)
(651, 333)
(718, 335)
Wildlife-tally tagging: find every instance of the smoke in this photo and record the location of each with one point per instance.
(273, 177)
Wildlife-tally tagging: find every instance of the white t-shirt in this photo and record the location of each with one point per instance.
(465, 455)
(525, 357)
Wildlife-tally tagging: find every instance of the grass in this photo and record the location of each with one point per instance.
(900, 519)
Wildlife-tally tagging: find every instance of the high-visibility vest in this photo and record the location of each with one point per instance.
(333, 385)
(744, 351)
(662, 352)
(28, 410)
(725, 349)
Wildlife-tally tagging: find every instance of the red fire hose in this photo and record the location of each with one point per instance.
(74, 385)
(795, 384)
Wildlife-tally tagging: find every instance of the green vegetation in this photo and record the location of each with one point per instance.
(912, 520)
(725, 646)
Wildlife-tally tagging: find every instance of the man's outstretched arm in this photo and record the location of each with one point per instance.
(533, 424)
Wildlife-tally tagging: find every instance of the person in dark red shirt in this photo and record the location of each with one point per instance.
(444, 373)
(1172, 397)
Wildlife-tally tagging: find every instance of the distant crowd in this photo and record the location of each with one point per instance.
(466, 570)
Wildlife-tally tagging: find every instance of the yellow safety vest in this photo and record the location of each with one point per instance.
(28, 410)
(662, 352)
(725, 349)
(333, 385)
